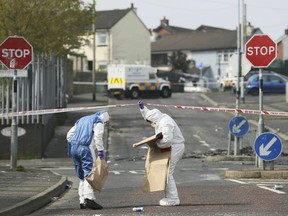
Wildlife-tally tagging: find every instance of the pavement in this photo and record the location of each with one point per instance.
(25, 190)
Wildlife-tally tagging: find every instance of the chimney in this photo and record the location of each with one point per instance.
(133, 8)
(249, 29)
(286, 31)
(165, 21)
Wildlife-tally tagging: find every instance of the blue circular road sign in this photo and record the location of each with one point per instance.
(268, 146)
(238, 126)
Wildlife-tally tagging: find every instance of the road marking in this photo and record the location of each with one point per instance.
(270, 189)
(134, 172)
(117, 172)
(262, 186)
(237, 181)
(58, 168)
(203, 142)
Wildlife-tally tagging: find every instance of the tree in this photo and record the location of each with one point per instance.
(179, 61)
(50, 26)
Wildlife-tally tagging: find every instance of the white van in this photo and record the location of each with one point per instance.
(134, 80)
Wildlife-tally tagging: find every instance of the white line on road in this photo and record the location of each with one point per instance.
(271, 189)
(237, 181)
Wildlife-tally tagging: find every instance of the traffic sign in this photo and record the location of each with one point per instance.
(200, 66)
(238, 126)
(16, 52)
(268, 146)
(261, 50)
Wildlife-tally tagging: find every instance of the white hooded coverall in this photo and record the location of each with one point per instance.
(172, 137)
(84, 154)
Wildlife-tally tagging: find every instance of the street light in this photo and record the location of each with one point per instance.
(94, 55)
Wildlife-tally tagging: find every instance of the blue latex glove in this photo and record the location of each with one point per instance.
(101, 155)
(141, 104)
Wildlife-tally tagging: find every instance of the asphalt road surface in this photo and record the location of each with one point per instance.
(202, 188)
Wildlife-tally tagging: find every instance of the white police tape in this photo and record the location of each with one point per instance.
(58, 110)
(228, 110)
(209, 109)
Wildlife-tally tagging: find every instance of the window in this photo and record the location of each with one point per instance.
(274, 79)
(102, 38)
(159, 60)
(152, 76)
(224, 56)
(102, 66)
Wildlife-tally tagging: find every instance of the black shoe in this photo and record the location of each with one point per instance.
(81, 205)
(91, 204)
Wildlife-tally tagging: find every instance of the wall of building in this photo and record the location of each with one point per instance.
(130, 41)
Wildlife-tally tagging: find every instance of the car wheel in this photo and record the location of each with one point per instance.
(134, 93)
(165, 93)
(254, 92)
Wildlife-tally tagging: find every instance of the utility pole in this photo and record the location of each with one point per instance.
(237, 141)
(94, 55)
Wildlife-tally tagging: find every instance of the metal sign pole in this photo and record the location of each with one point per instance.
(261, 120)
(14, 129)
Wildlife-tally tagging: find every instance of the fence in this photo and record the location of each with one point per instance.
(43, 88)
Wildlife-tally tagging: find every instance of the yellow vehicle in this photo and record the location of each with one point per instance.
(135, 80)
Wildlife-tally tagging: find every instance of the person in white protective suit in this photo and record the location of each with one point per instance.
(168, 136)
(84, 138)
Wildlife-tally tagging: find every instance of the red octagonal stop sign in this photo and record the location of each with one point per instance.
(261, 50)
(16, 52)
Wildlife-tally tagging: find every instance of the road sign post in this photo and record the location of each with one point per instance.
(261, 50)
(238, 127)
(15, 53)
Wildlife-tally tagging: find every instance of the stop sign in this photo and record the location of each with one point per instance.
(261, 50)
(16, 52)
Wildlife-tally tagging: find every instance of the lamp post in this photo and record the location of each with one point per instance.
(94, 55)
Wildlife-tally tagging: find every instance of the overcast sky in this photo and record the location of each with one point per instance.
(271, 16)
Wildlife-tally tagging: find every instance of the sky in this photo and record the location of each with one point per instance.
(271, 16)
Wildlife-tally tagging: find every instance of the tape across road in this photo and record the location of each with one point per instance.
(228, 110)
(208, 109)
(59, 110)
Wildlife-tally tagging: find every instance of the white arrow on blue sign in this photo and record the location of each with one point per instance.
(268, 146)
(238, 126)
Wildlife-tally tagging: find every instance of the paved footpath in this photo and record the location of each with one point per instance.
(22, 192)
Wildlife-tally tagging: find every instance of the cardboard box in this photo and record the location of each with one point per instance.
(156, 166)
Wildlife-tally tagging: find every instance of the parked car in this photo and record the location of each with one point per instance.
(251, 73)
(272, 83)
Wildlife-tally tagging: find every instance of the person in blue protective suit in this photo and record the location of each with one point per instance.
(168, 135)
(84, 138)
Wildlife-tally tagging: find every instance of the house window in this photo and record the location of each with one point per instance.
(159, 60)
(224, 56)
(102, 66)
(102, 38)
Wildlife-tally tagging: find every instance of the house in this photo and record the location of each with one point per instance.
(165, 29)
(121, 37)
(282, 47)
(209, 47)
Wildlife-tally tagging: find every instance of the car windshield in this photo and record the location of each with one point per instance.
(253, 78)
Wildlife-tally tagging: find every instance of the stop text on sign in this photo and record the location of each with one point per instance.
(18, 53)
(260, 50)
